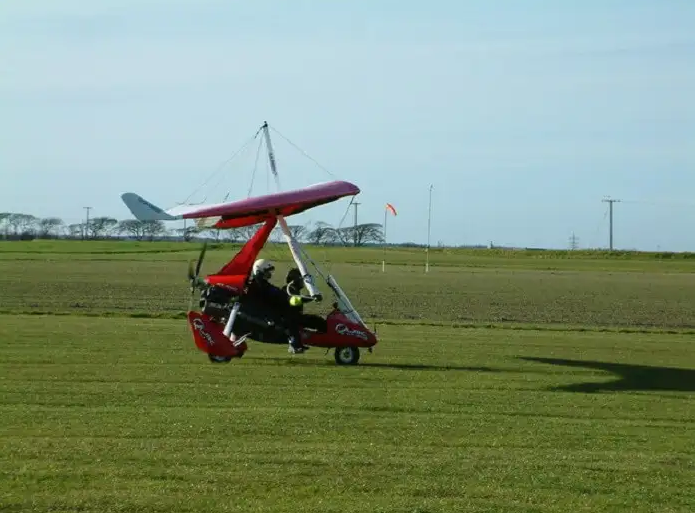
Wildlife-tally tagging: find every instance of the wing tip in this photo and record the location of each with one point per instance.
(143, 210)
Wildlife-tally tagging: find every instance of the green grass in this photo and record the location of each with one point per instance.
(596, 260)
(403, 293)
(126, 415)
(112, 246)
(583, 403)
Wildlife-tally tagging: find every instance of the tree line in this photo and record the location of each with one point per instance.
(18, 226)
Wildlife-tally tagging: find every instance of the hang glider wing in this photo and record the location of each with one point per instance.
(245, 212)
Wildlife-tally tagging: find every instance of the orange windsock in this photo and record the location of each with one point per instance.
(390, 207)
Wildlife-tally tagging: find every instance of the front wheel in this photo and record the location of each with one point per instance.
(219, 359)
(347, 355)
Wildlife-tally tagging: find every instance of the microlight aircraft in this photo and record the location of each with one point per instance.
(226, 321)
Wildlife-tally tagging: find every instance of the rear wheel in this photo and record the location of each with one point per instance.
(219, 359)
(347, 355)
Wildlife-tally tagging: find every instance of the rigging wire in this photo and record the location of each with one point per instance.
(303, 152)
(221, 166)
(273, 249)
(340, 224)
(216, 187)
(220, 184)
(255, 167)
(328, 264)
(323, 168)
(267, 176)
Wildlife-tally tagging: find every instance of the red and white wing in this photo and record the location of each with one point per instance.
(244, 212)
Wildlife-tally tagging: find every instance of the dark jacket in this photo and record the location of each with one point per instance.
(262, 292)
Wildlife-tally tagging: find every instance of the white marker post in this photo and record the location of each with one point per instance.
(386, 209)
(383, 258)
(429, 224)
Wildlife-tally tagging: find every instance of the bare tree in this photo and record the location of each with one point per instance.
(323, 233)
(298, 232)
(142, 229)
(343, 235)
(234, 234)
(101, 226)
(49, 226)
(188, 232)
(210, 232)
(276, 235)
(20, 224)
(362, 234)
(75, 230)
(132, 227)
(246, 232)
(153, 229)
(4, 225)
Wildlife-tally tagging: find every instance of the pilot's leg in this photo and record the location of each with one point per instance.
(295, 338)
(315, 322)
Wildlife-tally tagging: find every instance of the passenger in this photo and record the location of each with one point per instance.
(294, 283)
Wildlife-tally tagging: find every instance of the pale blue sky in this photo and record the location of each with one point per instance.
(523, 114)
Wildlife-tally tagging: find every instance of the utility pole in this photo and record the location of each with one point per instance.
(610, 215)
(354, 230)
(85, 233)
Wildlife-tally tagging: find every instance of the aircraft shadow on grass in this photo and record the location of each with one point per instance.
(418, 366)
(630, 377)
(398, 366)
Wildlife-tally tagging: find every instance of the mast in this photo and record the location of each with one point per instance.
(291, 242)
(271, 154)
(342, 300)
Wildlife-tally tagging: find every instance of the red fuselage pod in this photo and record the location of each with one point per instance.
(342, 332)
(209, 338)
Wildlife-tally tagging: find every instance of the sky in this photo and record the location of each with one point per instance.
(522, 116)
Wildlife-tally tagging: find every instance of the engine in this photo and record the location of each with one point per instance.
(215, 302)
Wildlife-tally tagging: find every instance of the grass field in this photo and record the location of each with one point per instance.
(502, 382)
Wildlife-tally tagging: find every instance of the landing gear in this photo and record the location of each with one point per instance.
(347, 355)
(219, 359)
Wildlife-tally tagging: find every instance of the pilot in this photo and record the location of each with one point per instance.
(267, 295)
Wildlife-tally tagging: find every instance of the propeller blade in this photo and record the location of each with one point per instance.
(200, 258)
(193, 275)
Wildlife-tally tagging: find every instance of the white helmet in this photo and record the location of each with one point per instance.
(263, 267)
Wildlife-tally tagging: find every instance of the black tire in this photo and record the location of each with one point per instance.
(347, 355)
(219, 359)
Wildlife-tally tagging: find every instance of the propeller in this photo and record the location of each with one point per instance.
(194, 276)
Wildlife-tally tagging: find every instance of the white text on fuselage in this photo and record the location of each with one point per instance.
(199, 325)
(341, 329)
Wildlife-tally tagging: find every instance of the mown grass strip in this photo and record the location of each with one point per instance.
(375, 323)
